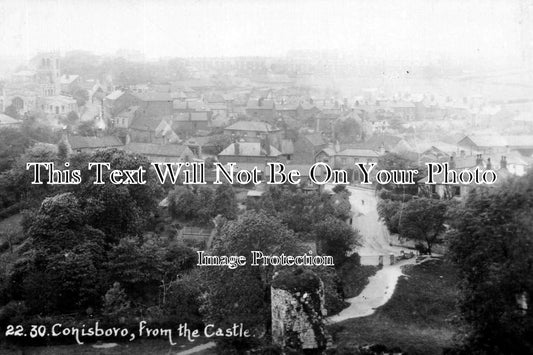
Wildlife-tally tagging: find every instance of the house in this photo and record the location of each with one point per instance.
(305, 182)
(307, 110)
(143, 129)
(347, 158)
(58, 105)
(155, 103)
(485, 144)
(126, 117)
(8, 121)
(250, 152)
(220, 109)
(191, 106)
(521, 143)
(70, 83)
(89, 144)
(287, 110)
(504, 167)
(95, 91)
(261, 109)
(164, 133)
(402, 109)
(251, 131)
(307, 146)
(164, 153)
(119, 100)
(386, 143)
(190, 122)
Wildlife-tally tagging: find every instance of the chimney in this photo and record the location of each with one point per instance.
(489, 164)
(451, 163)
(479, 160)
(260, 102)
(503, 162)
(237, 148)
(267, 145)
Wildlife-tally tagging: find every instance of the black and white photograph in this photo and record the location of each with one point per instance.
(266, 177)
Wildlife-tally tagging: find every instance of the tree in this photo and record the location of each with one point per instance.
(340, 189)
(335, 238)
(12, 144)
(243, 294)
(204, 204)
(63, 273)
(394, 161)
(423, 220)
(115, 302)
(346, 129)
(81, 96)
(224, 202)
(117, 210)
(491, 242)
(72, 118)
(17, 181)
(389, 212)
(146, 268)
(301, 211)
(87, 129)
(182, 203)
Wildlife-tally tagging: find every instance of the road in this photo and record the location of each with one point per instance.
(375, 241)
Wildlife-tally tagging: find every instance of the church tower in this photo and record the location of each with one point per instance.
(48, 73)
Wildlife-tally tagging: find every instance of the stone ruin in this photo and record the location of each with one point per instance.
(298, 312)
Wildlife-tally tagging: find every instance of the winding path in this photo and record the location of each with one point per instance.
(375, 241)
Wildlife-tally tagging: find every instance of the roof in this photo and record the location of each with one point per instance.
(329, 151)
(302, 168)
(115, 95)
(520, 141)
(315, 139)
(398, 104)
(7, 120)
(191, 116)
(354, 152)
(287, 147)
(68, 78)
(80, 142)
(24, 73)
(165, 150)
(154, 96)
(260, 104)
(486, 140)
(145, 123)
(217, 106)
(251, 149)
(189, 105)
(385, 140)
(287, 107)
(128, 112)
(250, 126)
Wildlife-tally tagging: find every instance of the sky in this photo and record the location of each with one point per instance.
(484, 30)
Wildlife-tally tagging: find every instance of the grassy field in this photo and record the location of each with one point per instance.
(416, 319)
